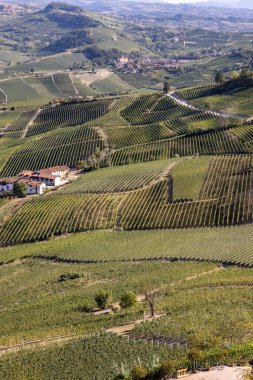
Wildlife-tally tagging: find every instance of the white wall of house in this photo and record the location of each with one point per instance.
(39, 189)
(6, 187)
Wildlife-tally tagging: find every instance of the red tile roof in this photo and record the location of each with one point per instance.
(54, 169)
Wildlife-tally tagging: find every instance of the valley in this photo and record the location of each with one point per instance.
(126, 202)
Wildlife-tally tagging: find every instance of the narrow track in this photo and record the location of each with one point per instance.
(119, 330)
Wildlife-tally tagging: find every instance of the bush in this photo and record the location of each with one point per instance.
(19, 189)
(103, 298)
(167, 368)
(6, 194)
(139, 373)
(68, 276)
(128, 300)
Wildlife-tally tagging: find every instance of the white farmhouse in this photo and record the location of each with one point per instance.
(33, 187)
(50, 176)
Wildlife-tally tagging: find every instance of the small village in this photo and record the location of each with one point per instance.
(36, 181)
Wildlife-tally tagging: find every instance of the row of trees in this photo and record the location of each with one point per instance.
(127, 300)
(244, 74)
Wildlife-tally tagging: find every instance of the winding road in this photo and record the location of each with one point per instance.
(183, 102)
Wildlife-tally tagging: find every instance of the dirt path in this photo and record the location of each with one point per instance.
(30, 123)
(73, 84)
(119, 330)
(6, 97)
(58, 88)
(103, 135)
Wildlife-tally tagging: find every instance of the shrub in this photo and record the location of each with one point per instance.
(139, 373)
(103, 298)
(128, 300)
(167, 367)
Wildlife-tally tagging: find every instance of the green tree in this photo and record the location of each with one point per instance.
(166, 87)
(219, 78)
(246, 73)
(103, 298)
(195, 355)
(19, 189)
(128, 300)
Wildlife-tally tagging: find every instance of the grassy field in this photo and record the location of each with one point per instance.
(53, 308)
(189, 295)
(7, 117)
(112, 84)
(51, 63)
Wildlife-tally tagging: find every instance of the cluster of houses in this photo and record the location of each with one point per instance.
(37, 181)
(128, 65)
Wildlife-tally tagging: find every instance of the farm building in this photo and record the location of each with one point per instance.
(49, 176)
(36, 181)
(33, 187)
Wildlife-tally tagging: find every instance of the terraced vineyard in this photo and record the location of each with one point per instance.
(57, 214)
(66, 146)
(205, 143)
(236, 101)
(163, 188)
(222, 196)
(197, 92)
(65, 115)
(224, 199)
(119, 179)
(64, 85)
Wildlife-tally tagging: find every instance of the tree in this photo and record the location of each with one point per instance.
(150, 298)
(91, 163)
(219, 78)
(128, 300)
(19, 189)
(166, 87)
(103, 298)
(194, 355)
(246, 73)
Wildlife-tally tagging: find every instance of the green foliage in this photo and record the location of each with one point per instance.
(102, 56)
(246, 73)
(128, 299)
(139, 373)
(219, 78)
(167, 368)
(102, 298)
(166, 87)
(19, 189)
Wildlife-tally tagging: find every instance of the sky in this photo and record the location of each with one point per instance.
(194, 1)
